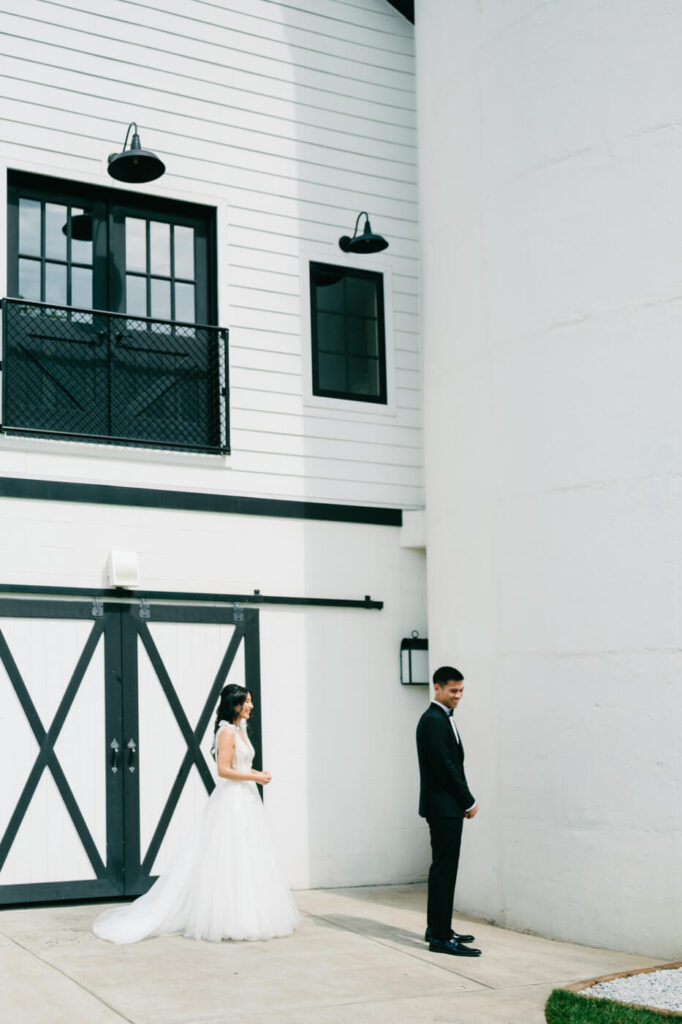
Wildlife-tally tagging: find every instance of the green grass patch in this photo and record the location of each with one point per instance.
(572, 1008)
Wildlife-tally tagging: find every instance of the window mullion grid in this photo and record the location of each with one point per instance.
(172, 273)
(376, 359)
(148, 268)
(69, 290)
(42, 250)
(381, 341)
(315, 337)
(346, 346)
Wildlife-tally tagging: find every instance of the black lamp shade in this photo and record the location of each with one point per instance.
(135, 165)
(367, 242)
(81, 227)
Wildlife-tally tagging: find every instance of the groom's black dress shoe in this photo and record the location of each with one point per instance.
(453, 947)
(453, 935)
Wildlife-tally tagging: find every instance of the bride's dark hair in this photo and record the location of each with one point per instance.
(232, 698)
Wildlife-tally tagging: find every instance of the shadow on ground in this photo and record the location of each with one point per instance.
(376, 930)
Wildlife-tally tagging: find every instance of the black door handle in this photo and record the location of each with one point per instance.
(113, 757)
(132, 750)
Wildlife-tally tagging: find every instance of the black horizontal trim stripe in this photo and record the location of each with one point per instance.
(191, 501)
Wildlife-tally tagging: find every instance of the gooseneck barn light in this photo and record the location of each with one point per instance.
(135, 165)
(366, 242)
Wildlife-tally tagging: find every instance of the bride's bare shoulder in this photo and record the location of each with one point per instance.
(225, 735)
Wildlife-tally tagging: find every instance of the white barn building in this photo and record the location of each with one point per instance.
(277, 461)
(240, 404)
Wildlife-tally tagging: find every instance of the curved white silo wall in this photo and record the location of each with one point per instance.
(551, 190)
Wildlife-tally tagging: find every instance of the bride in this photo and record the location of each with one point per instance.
(225, 882)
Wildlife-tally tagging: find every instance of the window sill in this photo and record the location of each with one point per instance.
(114, 452)
(346, 405)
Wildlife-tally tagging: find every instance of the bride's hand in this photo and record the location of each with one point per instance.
(262, 777)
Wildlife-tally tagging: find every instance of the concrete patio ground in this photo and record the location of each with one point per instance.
(357, 958)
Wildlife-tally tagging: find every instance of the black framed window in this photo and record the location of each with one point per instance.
(348, 333)
(109, 324)
(160, 279)
(51, 266)
(148, 257)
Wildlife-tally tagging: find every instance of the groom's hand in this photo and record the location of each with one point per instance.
(472, 812)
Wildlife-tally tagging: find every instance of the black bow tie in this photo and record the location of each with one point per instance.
(448, 712)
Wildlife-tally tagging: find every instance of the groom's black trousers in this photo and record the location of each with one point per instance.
(446, 839)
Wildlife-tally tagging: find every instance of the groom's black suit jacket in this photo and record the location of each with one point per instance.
(443, 791)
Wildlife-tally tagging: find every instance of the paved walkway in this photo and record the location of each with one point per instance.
(357, 958)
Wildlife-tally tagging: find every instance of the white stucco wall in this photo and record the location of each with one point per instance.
(550, 160)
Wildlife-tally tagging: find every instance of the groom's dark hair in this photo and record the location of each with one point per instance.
(447, 674)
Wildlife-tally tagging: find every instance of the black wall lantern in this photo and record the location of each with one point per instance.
(414, 660)
(135, 165)
(364, 243)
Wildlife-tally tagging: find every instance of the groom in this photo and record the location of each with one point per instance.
(445, 801)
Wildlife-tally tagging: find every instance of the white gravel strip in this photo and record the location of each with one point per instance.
(661, 989)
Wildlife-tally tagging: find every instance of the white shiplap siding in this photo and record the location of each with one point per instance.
(290, 118)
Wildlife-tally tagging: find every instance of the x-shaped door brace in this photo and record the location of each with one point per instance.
(46, 756)
(193, 738)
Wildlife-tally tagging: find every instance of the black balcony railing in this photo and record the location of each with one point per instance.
(81, 374)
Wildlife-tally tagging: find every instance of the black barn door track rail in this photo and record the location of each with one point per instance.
(255, 598)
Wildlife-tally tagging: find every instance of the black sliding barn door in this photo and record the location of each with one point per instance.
(107, 717)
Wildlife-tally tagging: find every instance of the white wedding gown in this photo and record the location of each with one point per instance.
(225, 882)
